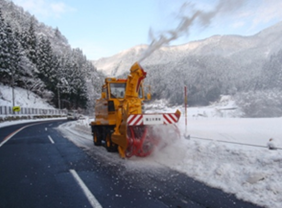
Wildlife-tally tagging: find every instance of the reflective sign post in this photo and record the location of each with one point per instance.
(16, 108)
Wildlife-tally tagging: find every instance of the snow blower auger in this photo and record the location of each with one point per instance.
(120, 123)
(145, 132)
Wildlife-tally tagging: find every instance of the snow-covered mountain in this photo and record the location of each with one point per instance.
(244, 49)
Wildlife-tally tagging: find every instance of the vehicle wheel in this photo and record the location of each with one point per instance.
(96, 138)
(110, 146)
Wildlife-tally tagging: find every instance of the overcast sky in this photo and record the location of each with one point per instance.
(102, 28)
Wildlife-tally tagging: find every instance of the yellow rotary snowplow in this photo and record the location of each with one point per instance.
(119, 119)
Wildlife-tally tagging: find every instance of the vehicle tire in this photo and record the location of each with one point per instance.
(110, 146)
(96, 138)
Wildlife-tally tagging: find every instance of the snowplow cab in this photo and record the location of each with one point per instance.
(112, 96)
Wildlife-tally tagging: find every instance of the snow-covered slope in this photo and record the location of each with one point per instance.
(23, 98)
(240, 48)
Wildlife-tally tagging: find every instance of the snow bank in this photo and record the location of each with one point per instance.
(252, 174)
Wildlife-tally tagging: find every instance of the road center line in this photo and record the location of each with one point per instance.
(91, 198)
(51, 140)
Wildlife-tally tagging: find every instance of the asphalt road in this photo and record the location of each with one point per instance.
(39, 167)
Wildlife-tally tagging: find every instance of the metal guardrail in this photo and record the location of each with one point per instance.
(8, 110)
(237, 143)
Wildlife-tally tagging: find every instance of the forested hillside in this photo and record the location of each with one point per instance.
(38, 58)
(257, 87)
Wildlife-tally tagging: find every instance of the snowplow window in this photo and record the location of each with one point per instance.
(117, 90)
(104, 90)
(140, 93)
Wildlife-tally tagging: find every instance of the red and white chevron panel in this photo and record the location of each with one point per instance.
(135, 120)
(152, 119)
(170, 118)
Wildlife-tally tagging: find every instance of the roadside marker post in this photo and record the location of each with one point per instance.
(186, 135)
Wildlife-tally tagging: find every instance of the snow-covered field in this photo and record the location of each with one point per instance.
(252, 171)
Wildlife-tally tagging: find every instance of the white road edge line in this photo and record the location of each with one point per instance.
(11, 135)
(91, 198)
(7, 138)
(51, 140)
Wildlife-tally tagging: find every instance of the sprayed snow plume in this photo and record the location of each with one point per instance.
(195, 16)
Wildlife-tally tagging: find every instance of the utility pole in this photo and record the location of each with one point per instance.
(59, 102)
(13, 92)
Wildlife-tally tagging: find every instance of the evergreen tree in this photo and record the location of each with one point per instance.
(13, 58)
(47, 64)
(9, 54)
(72, 80)
(3, 50)
(272, 72)
(29, 43)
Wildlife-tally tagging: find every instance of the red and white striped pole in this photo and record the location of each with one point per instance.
(186, 104)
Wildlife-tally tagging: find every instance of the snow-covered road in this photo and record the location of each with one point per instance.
(251, 173)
